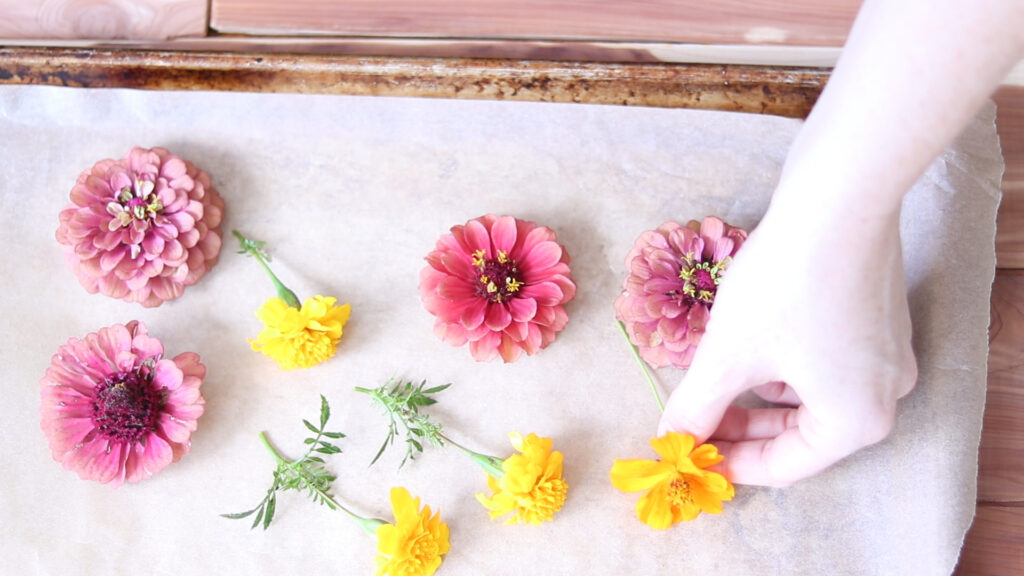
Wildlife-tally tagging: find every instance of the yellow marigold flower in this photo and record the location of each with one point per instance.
(531, 487)
(678, 485)
(414, 544)
(300, 337)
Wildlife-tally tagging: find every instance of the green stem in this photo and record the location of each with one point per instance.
(643, 366)
(370, 525)
(490, 464)
(283, 292)
(277, 455)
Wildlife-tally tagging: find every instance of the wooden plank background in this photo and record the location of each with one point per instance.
(796, 22)
(108, 19)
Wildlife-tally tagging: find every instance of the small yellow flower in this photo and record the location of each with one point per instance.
(414, 544)
(531, 487)
(678, 485)
(300, 338)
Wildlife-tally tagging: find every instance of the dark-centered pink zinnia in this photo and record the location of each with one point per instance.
(141, 228)
(114, 409)
(674, 273)
(500, 284)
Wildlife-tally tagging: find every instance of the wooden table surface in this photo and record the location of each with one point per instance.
(995, 544)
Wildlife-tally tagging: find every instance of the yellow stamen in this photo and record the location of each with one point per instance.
(502, 257)
(491, 287)
(512, 284)
(679, 492)
(478, 258)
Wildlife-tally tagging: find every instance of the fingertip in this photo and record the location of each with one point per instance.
(687, 413)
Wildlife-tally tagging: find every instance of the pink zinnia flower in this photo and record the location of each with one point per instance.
(674, 273)
(142, 228)
(499, 283)
(114, 409)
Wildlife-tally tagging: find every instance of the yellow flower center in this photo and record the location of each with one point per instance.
(679, 492)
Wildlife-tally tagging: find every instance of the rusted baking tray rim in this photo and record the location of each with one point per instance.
(770, 90)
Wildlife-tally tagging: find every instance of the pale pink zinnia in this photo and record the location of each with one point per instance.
(500, 284)
(674, 273)
(142, 228)
(114, 409)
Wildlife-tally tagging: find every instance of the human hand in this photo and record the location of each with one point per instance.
(811, 315)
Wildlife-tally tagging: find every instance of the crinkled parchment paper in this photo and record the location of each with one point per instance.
(351, 193)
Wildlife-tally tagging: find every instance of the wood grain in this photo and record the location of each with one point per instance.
(995, 544)
(107, 19)
(781, 91)
(1001, 456)
(799, 22)
(1010, 223)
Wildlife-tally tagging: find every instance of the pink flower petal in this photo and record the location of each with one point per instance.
(721, 249)
(97, 460)
(455, 288)
(543, 256)
(503, 234)
(522, 309)
(518, 331)
(546, 293)
(477, 237)
(474, 313)
(510, 351)
(498, 317)
(485, 348)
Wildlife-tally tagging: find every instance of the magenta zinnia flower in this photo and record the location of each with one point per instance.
(114, 409)
(142, 228)
(499, 283)
(674, 273)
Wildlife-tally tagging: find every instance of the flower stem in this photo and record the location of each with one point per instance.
(370, 525)
(252, 248)
(490, 464)
(270, 447)
(643, 366)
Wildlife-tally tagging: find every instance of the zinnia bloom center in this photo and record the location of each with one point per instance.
(701, 279)
(136, 202)
(499, 278)
(126, 406)
(679, 492)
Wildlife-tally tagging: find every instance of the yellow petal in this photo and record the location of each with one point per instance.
(636, 475)
(706, 455)
(673, 446)
(653, 508)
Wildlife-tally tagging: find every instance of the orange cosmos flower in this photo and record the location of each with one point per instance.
(679, 486)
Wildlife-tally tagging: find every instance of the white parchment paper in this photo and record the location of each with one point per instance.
(351, 194)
